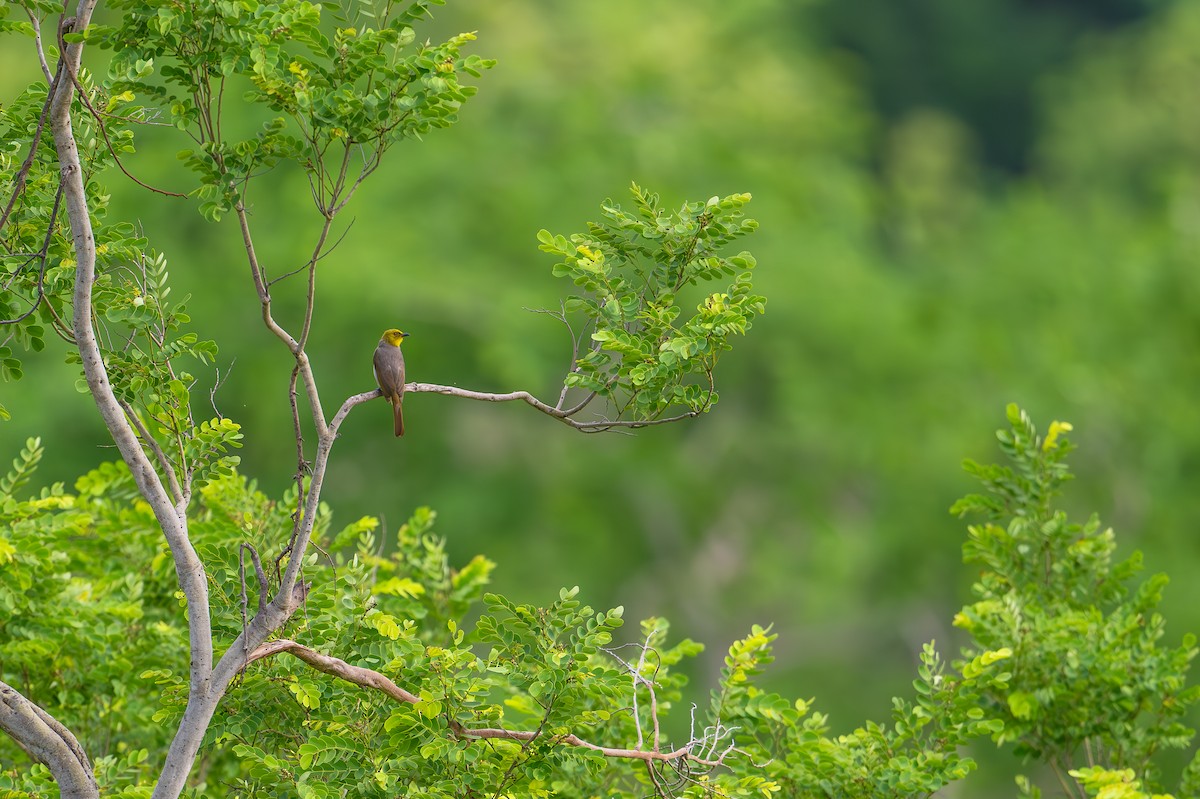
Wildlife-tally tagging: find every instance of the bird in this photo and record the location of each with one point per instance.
(389, 372)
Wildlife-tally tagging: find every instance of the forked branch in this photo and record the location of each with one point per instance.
(48, 742)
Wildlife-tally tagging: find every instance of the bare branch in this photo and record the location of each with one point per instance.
(561, 315)
(563, 416)
(37, 43)
(335, 667)
(216, 386)
(263, 588)
(264, 299)
(636, 675)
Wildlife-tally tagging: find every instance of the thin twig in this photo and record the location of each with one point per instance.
(524, 749)
(561, 315)
(83, 96)
(322, 256)
(23, 172)
(212, 392)
(41, 52)
(264, 298)
(160, 456)
(42, 256)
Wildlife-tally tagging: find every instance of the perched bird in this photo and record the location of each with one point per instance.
(389, 372)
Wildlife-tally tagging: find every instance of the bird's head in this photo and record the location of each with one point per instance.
(394, 337)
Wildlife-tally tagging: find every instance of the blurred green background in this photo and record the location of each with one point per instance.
(962, 205)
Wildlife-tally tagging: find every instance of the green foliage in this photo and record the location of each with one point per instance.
(824, 408)
(142, 330)
(1090, 676)
(499, 702)
(357, 88)
(36, 251)
(85, 590)
(1112, 783)
(916, 755)
(631, 269)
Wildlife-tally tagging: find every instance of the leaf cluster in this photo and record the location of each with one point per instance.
(501, 704)
(631, 270)
(339, 82)
(83, 581)
(37, 257)
(1091, 677)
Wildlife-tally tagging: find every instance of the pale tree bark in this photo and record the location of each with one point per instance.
(48, 742)
(39, 734)
(172, 518)
(207, 685)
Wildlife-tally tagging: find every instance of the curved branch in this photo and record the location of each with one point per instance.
(23, 172)
(335, 667)
(72, 72)
(48, 742)
(563, 416)
(264, 300)
(37, 41)
(349, 404)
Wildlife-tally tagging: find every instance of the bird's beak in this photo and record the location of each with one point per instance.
(405, 335)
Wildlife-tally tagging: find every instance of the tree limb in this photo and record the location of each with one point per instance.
(159, 455)
(368, 678)
(563, 416)
(48, 742)
(335, 667)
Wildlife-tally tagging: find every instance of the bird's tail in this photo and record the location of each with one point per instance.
(398, 409)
